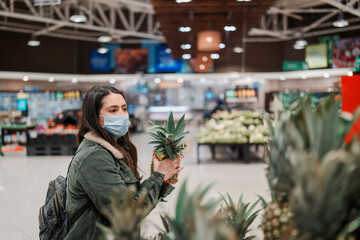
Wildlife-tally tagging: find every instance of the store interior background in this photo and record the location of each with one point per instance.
(25, 73)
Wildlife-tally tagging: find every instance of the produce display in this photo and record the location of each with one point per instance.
(234, 127)
(168, 140)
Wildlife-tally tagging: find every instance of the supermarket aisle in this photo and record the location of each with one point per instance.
(23, 184)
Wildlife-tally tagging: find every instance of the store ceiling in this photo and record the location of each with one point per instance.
(130, 21)
(203, 15)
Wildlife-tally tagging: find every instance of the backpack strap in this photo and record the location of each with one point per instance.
(80, 212)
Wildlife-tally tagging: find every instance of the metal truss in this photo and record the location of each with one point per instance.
(274, 26)
(127, 21)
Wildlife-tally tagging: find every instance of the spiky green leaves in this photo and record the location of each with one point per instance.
(196, 218)
(126, 216)
(168, 139)
(240, 217)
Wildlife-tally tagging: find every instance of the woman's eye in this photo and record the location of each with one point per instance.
(113, 110)
(125, 110)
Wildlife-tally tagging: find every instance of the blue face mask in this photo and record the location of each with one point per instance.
(116, 125)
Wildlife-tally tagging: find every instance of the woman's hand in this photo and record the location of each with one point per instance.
(167, 166)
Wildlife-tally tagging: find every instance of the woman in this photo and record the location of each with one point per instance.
(106, 160)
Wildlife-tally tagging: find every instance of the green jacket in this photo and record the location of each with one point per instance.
(96, 170)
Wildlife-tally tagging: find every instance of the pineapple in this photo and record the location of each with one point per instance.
(196, 218)
(277, 221)
(168, 140)
(126, 217)
(239, 217)
(309, 171)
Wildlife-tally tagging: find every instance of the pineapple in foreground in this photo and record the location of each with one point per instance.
(240, 217)
(168, 140)
(301, 140)
(126, 216)
(277, 221)
(196, 218)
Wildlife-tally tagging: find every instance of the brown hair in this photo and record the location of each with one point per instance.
(89, 122)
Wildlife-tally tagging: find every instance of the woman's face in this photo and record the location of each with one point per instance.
(112, 104)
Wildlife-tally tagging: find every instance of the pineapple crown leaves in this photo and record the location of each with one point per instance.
(348, 229)
(196, 218)
(239, 216)
(168, 138)
(321, 129)
(126, 215)
(325, 193)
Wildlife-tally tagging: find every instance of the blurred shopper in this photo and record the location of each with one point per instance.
(106, 160)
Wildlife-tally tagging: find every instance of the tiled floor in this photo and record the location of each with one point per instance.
(23, 184)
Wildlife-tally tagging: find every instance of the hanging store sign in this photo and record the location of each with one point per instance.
(294, 65)
(345, 52)
(316, 55)
(329, 41)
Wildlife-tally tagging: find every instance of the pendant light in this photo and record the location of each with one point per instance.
(208, 41)
(33, 42)
(341, 22)
(78, 16)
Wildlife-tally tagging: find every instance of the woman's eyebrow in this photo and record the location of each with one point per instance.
(125, 105)
(112, 106)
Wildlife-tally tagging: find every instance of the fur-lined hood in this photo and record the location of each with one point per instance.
(93, 136)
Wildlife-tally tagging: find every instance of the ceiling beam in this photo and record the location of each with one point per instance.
(48, 29)
(273, 10)
(298, 3)
(318, 22)
(80, 26)
(258, 31)
(342, 7)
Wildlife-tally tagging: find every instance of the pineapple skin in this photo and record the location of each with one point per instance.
(174, 179)
(277, 222)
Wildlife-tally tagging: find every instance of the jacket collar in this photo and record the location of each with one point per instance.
(93, 136)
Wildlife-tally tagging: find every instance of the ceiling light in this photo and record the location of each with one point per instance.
(157, 80)
(221, 45)
(112, 81)
(51, 79)
(326, 75)
(180, 80)
(209, 39)
(33, 42)
(78, 17)
(105, 38)
(202, 66)
(183, 1)
(26, 78)
(341, 22)
(185, 46)
(186, 56)
(238, 50)
(102, 50)
(215, 56)
(301, 42)
(74, 80)
(184, 29)
(229, 28)
(282, 78)
(298, 47)
(168, 50)
(204, 59)
(243, 0)
(350, 74)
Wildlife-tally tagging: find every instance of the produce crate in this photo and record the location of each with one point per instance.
(51, 145)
